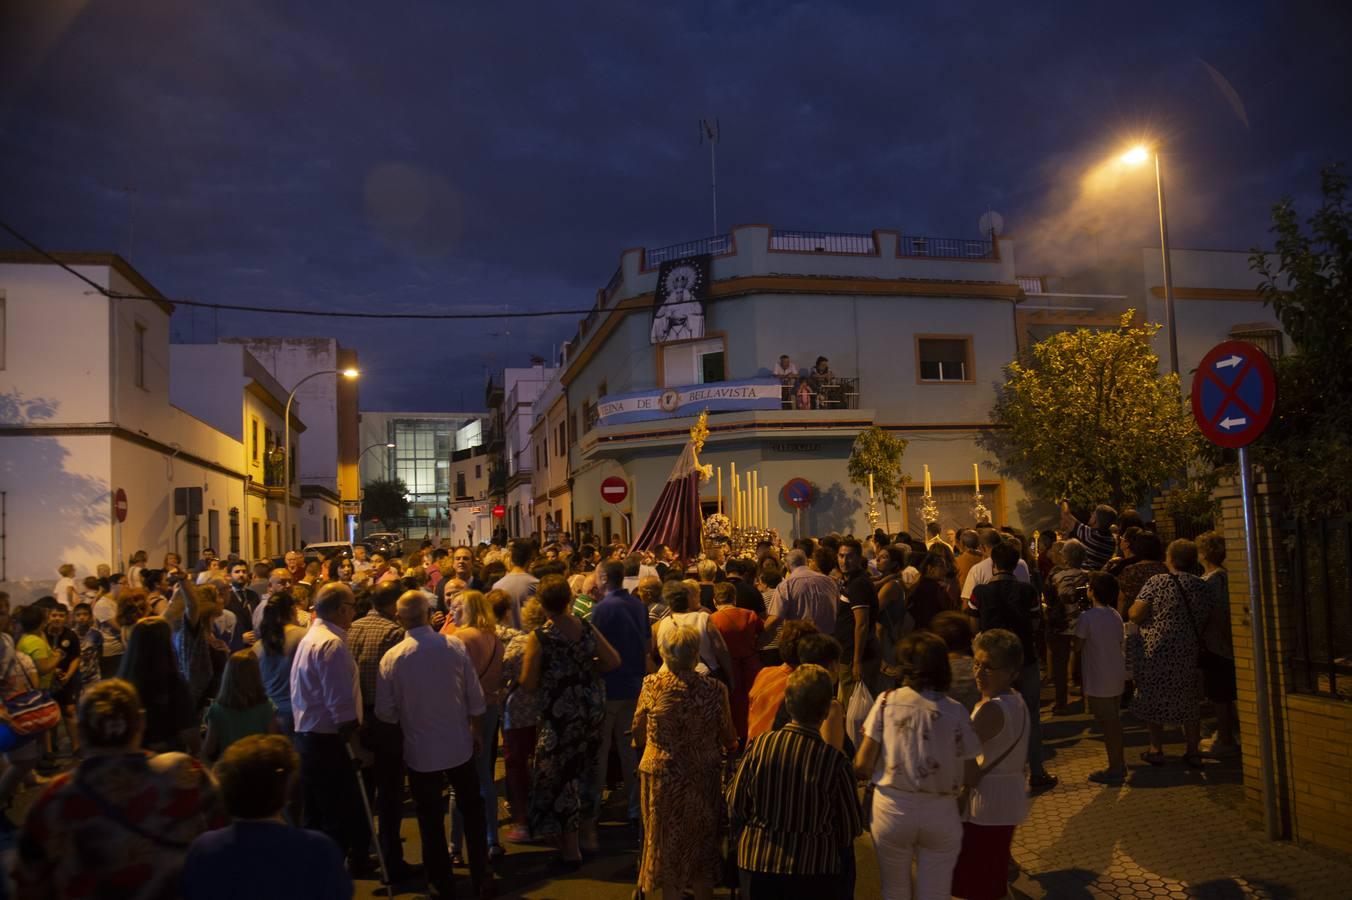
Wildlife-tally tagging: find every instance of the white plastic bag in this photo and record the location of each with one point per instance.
(861, 703)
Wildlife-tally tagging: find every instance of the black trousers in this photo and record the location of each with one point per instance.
(384, 782)
(333, 802)
(429, 798)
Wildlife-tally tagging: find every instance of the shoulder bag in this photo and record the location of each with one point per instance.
(965, 794)
(30, 712)
(1206, 660)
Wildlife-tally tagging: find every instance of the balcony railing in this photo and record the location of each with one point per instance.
(718, 243)
(823, 242)
(945, 248)
(820, 393)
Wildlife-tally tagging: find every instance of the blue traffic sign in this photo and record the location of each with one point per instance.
(1233, 394)
(798, 493)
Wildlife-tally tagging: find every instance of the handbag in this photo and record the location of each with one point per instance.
(965, 794)
(30, 712)
(1206, 660)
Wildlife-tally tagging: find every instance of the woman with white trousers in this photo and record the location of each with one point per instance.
(915, 749)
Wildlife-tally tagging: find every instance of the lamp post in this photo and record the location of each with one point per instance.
(1135, 157)
(286, 450)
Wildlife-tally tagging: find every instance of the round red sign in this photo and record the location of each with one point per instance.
(797, 493)
(614, 489)
(499, 511)
(1233, 394)
(120, 505)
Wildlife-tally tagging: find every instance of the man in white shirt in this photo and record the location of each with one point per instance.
(441, 730)
(785, 369)
(984, 571)
(326, 705)
(519, 584)
(278, 582)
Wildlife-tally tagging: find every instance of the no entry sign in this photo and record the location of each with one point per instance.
(614, 489)
(120, 505)
(797, 493)
(1233, 394)
(499, 511)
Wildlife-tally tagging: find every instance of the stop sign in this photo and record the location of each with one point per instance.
(120, 505)
(499, 511)
(614, 489)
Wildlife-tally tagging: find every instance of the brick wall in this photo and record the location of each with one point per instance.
(1311, 735)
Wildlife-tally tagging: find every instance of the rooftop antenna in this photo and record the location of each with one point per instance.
(708, 130)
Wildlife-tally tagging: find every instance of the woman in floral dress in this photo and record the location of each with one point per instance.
(1171, 610)
(564, 659)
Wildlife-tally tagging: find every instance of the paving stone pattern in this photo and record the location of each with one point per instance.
(1169, 832)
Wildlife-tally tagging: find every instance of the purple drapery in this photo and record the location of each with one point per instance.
(676, 520)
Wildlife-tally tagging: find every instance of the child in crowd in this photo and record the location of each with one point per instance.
(66, 678)
(241, 709)
(1099, 641)
(91, 644)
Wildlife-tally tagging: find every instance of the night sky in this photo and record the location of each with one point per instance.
(483, 156)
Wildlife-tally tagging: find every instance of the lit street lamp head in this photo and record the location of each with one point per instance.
(350, 373)
(1136, 155)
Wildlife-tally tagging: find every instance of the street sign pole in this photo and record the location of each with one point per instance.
(1258, 616)
(1233, 397)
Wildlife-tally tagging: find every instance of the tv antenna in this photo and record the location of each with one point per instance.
(991, 224)
(709, 130)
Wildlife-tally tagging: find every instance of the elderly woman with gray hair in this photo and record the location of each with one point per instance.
(997, 802)
(681, 722)
(1172, 611)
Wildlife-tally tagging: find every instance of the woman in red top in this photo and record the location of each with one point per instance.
(741, 630)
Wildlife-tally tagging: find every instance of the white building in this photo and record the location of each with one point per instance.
(520, 389)
(86, 413)
(328, 448)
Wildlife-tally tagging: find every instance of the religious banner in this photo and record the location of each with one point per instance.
(678, 299)
(672, 403)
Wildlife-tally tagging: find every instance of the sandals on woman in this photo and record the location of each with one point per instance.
(1153, 757)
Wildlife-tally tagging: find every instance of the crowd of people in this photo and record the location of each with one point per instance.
(753, 714)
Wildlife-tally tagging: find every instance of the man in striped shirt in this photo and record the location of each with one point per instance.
(1097, 536)
(794, 800)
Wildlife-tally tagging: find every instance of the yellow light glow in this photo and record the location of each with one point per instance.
(1136, 156)
(350, 373)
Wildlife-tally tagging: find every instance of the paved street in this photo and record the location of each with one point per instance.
(1168, 833)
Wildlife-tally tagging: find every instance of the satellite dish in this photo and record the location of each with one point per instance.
(991, 224)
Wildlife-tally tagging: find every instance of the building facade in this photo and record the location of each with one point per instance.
(511, 447)
(82, 426)
(915, 330)
(551, 481)
(328, 448)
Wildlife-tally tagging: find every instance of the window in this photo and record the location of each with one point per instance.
(253, 439)
(1031, 284)
(561, 438)
(572, 436)
(478, 471)
(2, 330)
(944, 358)
(693, 362)
(234, 529)
(254, 546)
(326, 528)
(460, 484)
(292, 464)
(1267, 338)
(139, 348)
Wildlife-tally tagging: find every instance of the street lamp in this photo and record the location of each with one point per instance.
(1136, 156)
(286, 444)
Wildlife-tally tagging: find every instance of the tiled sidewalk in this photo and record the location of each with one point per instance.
(1170, 832)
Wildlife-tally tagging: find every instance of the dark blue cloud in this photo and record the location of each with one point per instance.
(484, 156)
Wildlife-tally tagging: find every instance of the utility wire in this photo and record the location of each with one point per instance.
(327, 313)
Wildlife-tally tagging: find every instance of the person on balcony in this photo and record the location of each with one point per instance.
(786, 371)
(824, 383)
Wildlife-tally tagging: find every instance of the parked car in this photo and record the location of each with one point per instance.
(387, 542)
(323, 550)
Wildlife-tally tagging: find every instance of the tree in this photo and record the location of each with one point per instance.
(386, 500)
(1308, 447)
(877, 452)
(1087, 416)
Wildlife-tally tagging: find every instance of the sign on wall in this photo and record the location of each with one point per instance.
(671, 403)
(678, 299)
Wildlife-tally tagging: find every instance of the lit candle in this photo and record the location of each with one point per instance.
(750, 513)
(732, 482)
(767, 508)
(927, 480)
(720, 488)
(976, 479)
(870, 485)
